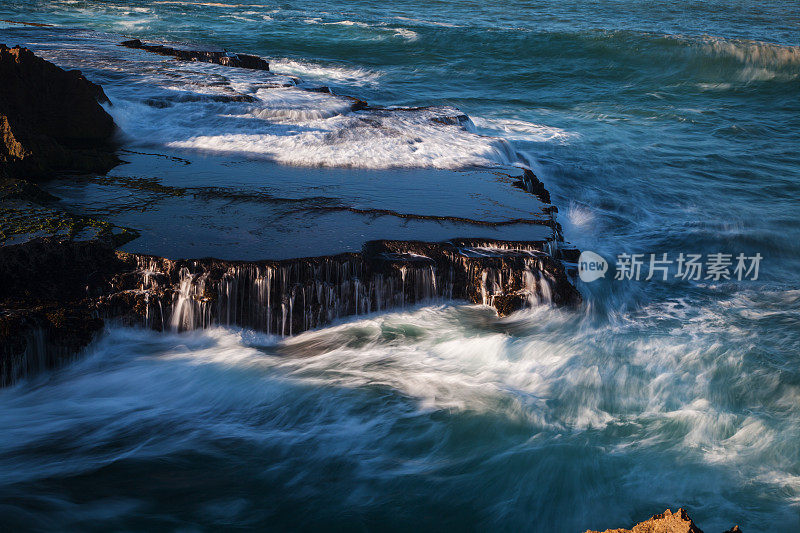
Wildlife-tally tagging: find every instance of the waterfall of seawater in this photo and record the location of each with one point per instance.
(287, 298)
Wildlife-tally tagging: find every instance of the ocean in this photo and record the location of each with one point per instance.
(660, 127)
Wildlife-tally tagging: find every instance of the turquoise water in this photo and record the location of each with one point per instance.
(658, 127)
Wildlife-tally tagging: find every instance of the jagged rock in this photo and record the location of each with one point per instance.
(290, 296)
(50, 119)
(666, 522)
(358, 104)
(56, 290)
(35, 24)
(220, 58)
(534, 186)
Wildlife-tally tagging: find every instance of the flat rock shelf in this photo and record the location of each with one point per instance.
(189, 206)
(181, 235)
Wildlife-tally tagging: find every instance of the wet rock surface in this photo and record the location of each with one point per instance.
(269, 211)
(290, 296)
(666, 522)
(59, 291)
(28, 212)
(220, 58)
(51, 119)
(365, 241)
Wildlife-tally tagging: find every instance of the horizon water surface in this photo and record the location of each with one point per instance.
(658, 127)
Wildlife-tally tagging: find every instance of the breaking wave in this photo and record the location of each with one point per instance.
(521, 130)
(199, 106)
(435, 398)
(326, 73)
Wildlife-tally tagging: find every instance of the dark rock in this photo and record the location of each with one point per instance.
(47, 310)
(321, 89)
(50, 119)
(161, 103)
(570, 254)
(534, 186)
(220, 58)
(55, 269)
(289, 296)
(251, 62)
(47, 314)
(13, 189)
(358, 104)
(458, 120)
(36, 24)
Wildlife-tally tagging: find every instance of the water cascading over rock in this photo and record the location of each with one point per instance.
(291, 296)
(63, 277)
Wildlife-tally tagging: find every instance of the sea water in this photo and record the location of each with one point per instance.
(658, 127)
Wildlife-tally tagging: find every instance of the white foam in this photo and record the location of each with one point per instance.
(195, 105)
(206, 4)
(325, 73)
(348, 141)
(348, 23)
(294, 106)
(135, 24)
(580, 216)
(521, 130)
(661, 404)
(714, 86)
(290, 125)
(406, 34)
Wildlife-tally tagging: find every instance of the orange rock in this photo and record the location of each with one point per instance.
(666, 522)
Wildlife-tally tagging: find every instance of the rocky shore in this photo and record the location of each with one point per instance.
(63, 275)
(59, 290)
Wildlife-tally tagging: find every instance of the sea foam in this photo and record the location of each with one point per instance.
(197, 106)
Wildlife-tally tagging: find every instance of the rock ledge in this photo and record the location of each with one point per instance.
(220, 58)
